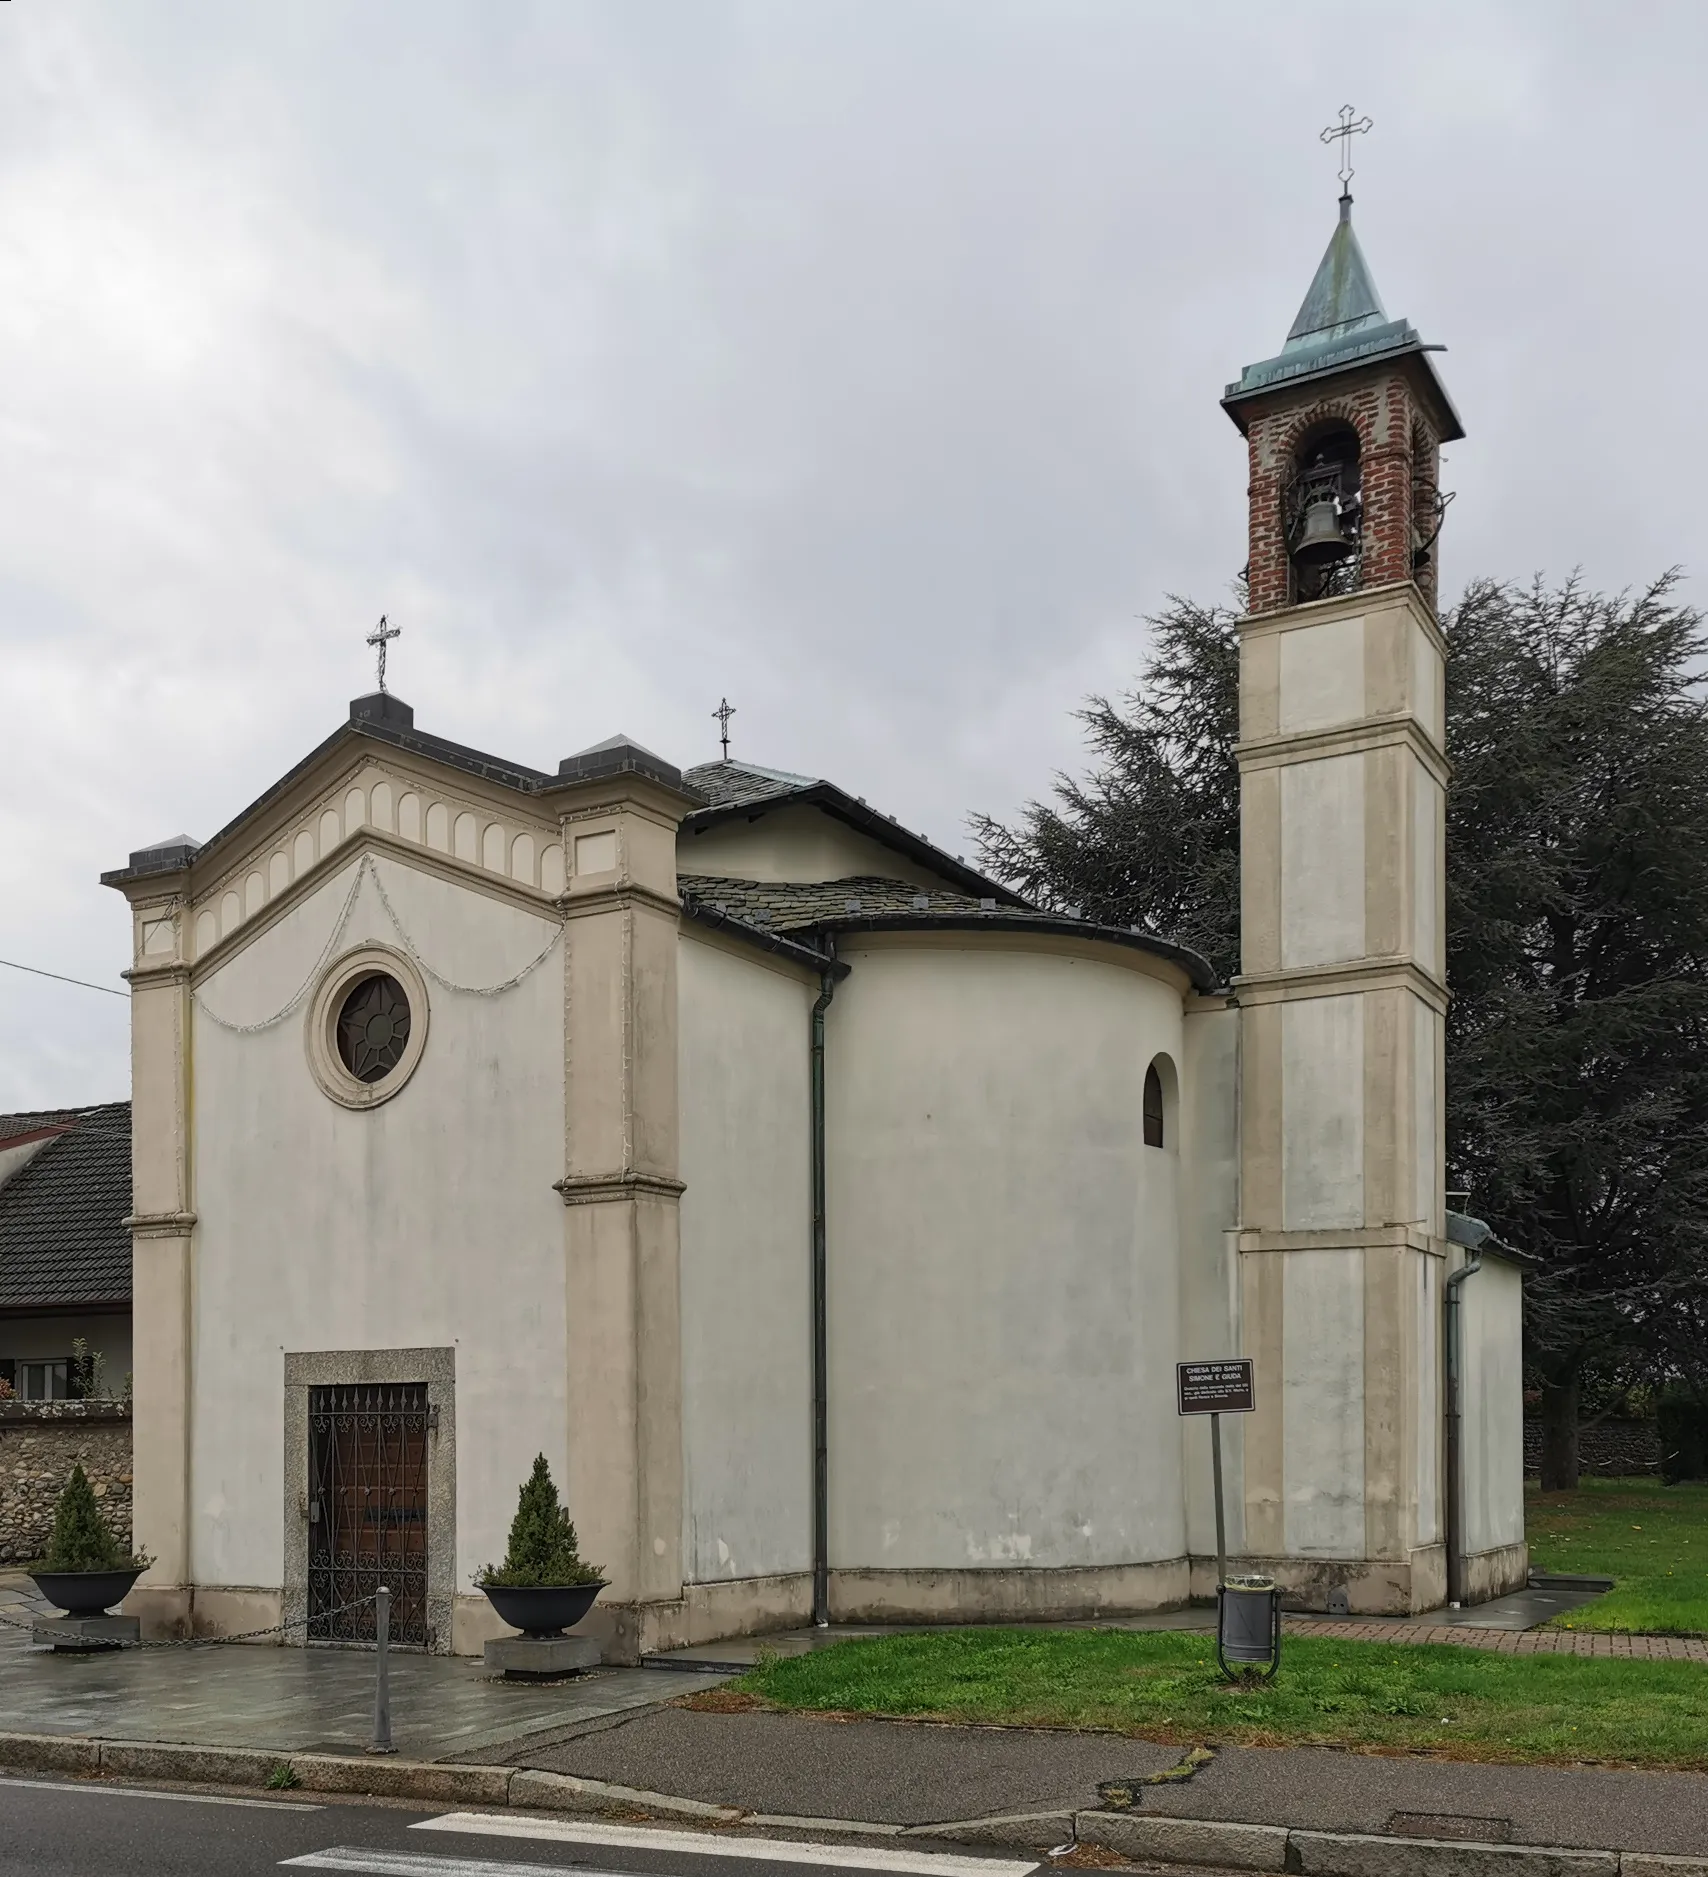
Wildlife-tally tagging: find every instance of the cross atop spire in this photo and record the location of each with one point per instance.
(723, 713)
(381, 635)
(1345, 130)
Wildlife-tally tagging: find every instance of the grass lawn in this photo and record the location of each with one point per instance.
(1164, 1685)
(1652, 1538)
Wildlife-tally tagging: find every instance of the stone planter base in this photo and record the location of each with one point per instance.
(541, 1658)
(83, 1635)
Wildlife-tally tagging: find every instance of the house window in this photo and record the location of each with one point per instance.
(1153, 1107)
(37, 1381)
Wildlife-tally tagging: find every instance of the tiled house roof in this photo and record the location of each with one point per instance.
(62, 1234)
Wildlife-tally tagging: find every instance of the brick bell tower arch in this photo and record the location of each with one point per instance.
(1342, 991)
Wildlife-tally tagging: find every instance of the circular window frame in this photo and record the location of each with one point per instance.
(336, 984)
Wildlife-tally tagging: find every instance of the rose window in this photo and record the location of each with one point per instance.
(373, 1027)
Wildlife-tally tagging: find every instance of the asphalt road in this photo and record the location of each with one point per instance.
(78, 1829)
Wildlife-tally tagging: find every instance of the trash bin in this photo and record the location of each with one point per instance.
(1248, 1626)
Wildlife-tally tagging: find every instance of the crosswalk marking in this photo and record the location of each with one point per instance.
(382, 1863)
(79, 1787)
(722, 1844)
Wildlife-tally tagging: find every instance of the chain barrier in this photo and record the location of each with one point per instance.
(198, 1642)
(380, 1599)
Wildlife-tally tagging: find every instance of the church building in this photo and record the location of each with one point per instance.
(830, 1217)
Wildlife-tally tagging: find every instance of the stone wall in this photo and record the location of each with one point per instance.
(40, 1442)
(1606, 1449)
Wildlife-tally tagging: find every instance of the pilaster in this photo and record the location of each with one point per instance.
(162, 1227)
(621, 1189)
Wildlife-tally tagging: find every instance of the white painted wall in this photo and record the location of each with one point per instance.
(1493, 1404)
(427, 1221)
(1209, 1266)
(794, 844)
(1322, 1102)
(1322, 861)
(1321, 675)
(746, 1263)
(1003, 1285)
(1322, 1387)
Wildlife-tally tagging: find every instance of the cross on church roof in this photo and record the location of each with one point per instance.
(379, 637)
(723, 713)
(1348, 128)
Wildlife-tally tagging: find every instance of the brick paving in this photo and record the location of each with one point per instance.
(1512, 1641)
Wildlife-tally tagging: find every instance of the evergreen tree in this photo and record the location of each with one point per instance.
(1577, 1039)
(1151, 836)
(81, 1540)
(543, 1548)
(1577, 876)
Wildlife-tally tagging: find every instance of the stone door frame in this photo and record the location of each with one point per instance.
(324, 1368)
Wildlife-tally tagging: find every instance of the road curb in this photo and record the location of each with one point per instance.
(1155, 1837)
(1234, 1846)
(1185, 1840)
(565, 1792)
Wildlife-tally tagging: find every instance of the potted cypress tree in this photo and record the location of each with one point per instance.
(84, 1572)
(544, 1586)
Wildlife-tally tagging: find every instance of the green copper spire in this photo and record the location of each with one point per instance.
(1343, 297)
(1341, 326)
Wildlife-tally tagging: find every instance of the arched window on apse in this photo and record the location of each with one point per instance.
(1153, 1107)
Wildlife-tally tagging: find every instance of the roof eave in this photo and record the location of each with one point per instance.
(761, 937)
(1238, 402)
(1196, 967)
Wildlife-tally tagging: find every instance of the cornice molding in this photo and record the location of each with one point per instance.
(143, 977)
(614, 898)
(1395, 593)
(323, 783)
(1399, 729)
(160, 1224)
(1408, 1235)
(597, 1189)
(1356, 975)
(349, 853)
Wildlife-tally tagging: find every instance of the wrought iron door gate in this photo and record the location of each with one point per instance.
(367, 1486)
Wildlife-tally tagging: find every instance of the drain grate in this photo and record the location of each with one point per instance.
(1458, 1825)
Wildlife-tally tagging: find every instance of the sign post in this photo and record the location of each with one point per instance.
(1215, 1389)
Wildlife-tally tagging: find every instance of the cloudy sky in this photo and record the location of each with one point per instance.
(859, 361)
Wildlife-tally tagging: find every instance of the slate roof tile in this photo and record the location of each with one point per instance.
(791, 905)
(735, 785)
(62, 1233)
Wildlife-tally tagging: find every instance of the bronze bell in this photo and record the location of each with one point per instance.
(1320, 537)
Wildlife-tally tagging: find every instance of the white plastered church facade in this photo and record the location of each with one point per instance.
(831, 1218)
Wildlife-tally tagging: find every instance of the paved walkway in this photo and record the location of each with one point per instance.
(909, 1773)
(1512, 1642)
(292, 1699)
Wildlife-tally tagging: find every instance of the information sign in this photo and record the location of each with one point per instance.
(1216, 1387)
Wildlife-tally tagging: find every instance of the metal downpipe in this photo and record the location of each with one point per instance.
(820, 1342)
(1455, 1442)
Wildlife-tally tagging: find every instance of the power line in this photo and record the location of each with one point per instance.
(60, 978)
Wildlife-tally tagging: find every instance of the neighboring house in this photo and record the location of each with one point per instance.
(64, 1248)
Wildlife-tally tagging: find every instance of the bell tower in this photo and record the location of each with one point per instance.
(1342, 987)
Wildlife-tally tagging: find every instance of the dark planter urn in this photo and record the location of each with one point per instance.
(542, 1609)
(85, 1593)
